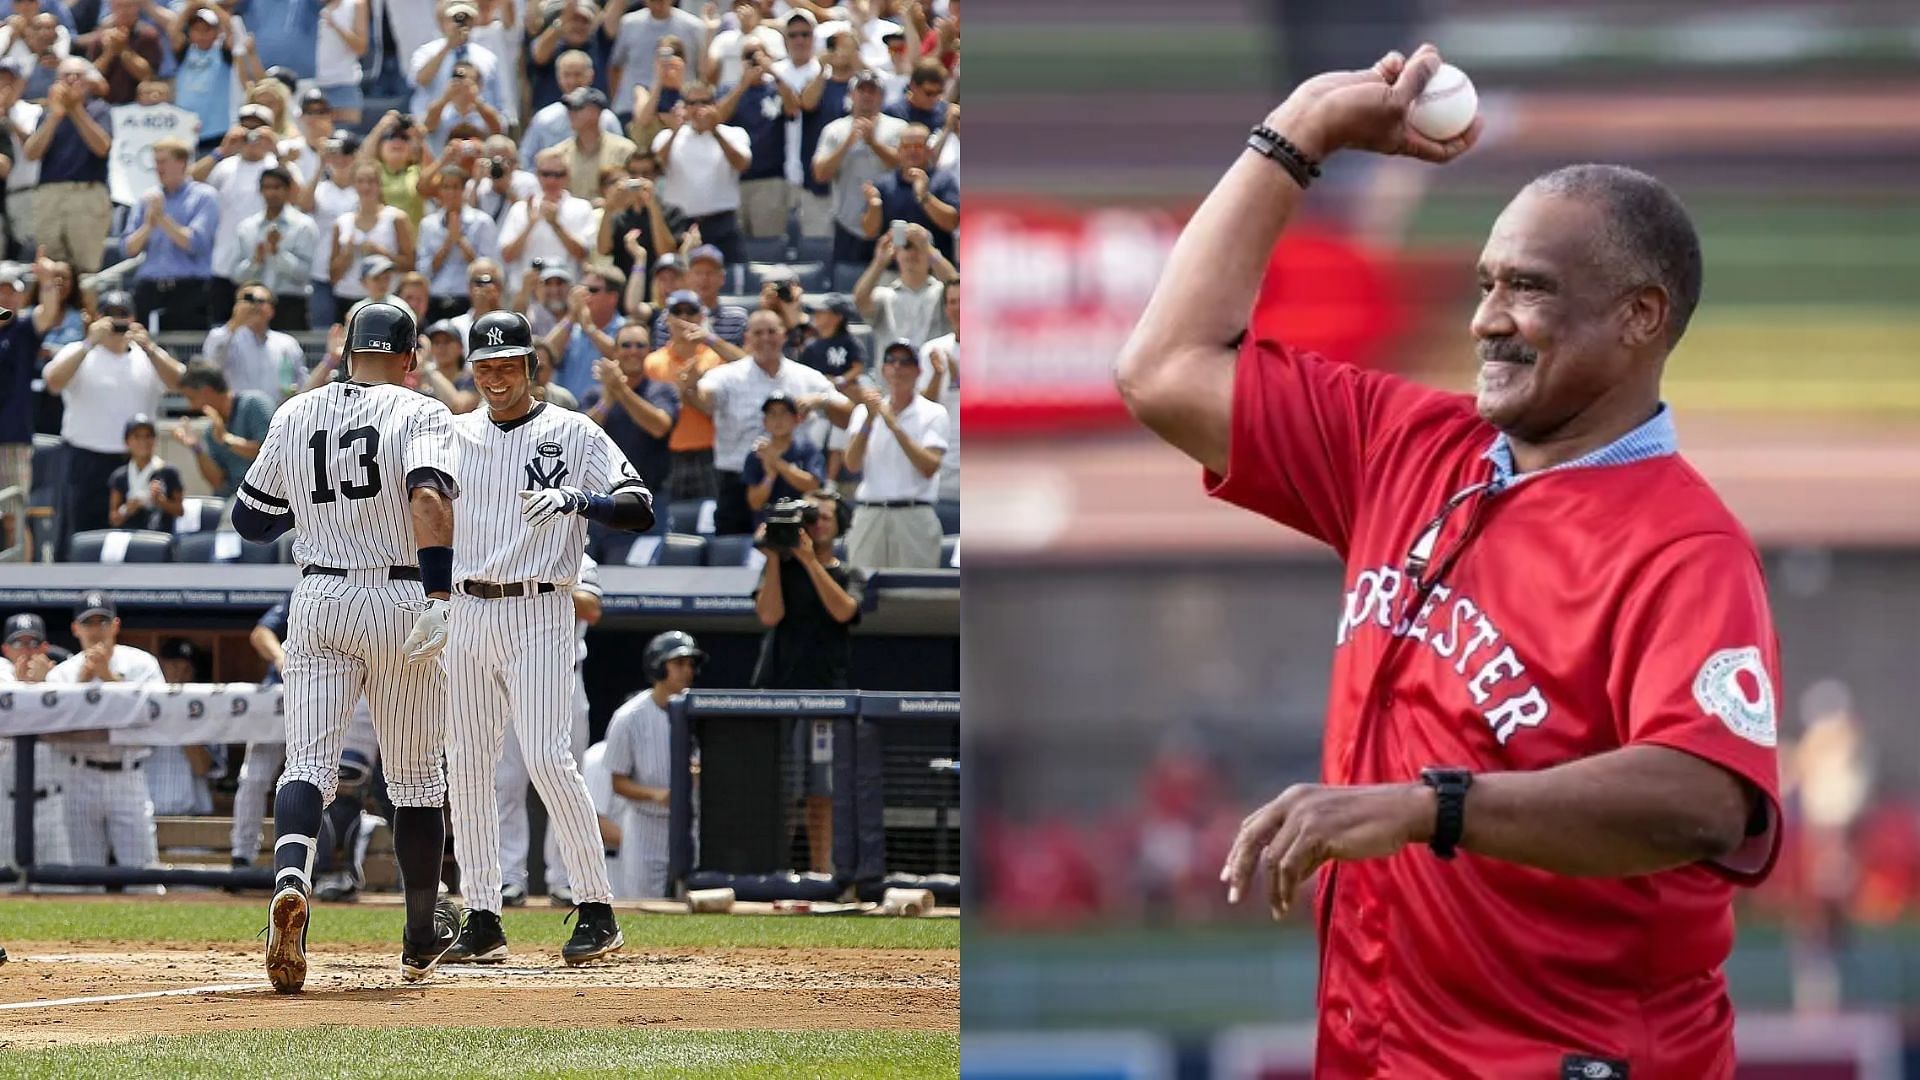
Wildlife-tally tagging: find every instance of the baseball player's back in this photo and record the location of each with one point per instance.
(338, 457)
(363, 473)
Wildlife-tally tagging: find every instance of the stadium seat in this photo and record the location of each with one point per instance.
(813, 277)
(120, 546)
(814, 249)
(47, 469)
(202, 515)
(731, 550)
(627, 549)
(214, 546)
(680, 549)
(949, 550)
(691, 516)
(769, 249)
(949, 513)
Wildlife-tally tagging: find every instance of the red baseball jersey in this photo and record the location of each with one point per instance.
(1573, 612)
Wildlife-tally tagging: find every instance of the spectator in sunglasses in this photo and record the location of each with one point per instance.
(253, 355)
(586, 333)
(486, 291)
(554, 225)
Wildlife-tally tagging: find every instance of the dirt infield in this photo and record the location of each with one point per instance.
(355, 985)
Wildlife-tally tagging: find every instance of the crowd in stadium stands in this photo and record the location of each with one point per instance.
(733, 229)
(729, 228)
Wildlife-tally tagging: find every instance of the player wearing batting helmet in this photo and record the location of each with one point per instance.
(638, 756)
(383, 328)
(1549, 749)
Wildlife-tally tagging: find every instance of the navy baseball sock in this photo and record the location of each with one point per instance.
(296, 828)
(419, 836)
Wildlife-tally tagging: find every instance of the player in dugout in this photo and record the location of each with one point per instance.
(1549, 750)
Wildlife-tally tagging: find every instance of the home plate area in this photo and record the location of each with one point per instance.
(55, 994)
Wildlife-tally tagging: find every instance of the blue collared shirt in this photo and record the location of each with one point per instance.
(1653, 439)
(195, 208)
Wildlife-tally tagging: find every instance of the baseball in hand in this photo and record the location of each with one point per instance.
(1446, 107)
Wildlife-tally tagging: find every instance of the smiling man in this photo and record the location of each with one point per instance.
(538, 475)
(1549, 747)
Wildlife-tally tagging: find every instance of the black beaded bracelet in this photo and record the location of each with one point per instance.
(1275, 146)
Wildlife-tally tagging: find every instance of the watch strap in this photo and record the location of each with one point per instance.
(1450, 787)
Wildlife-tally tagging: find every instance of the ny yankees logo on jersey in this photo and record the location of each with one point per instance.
(547, 448)
(541, 475)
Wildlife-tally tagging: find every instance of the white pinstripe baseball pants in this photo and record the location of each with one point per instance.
(510, 798)
(344, 638)
(253, 799)
(511, 660)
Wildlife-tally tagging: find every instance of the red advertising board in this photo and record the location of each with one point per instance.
(1052, 293)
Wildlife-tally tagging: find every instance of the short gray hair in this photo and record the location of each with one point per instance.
(1649, 232)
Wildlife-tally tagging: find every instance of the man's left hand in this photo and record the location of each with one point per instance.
(549, 504)
(1311, 824)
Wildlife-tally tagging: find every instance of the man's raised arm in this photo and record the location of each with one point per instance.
(1176, 370)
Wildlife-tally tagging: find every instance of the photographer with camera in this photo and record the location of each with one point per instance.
(809, 601)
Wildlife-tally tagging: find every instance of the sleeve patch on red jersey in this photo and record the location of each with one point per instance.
(1733, 686)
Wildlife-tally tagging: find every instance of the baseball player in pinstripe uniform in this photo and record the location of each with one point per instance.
(362, 472)
(510, 783)
(510, 657)
(107, 801)
(637, 756)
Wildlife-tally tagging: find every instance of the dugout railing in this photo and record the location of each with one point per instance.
(893, 759)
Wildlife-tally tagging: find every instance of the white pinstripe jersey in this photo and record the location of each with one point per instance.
(338, 457)
(548, 447)
(639, 747)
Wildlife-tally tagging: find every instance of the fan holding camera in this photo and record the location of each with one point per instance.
(114, 373)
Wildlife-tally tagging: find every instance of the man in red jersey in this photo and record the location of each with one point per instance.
(1549, 749)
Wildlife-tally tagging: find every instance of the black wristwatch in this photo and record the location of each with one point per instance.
(1450, 818)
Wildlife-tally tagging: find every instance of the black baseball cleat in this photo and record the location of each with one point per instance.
(595, 935)
(287, 939)
(417, 961)
(481, 942)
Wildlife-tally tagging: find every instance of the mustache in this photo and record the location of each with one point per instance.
(1505, 350)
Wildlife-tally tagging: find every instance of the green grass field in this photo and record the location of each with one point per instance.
(378, 1053)
(379, 925)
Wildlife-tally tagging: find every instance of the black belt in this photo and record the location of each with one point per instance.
(394, 573)
(105, 766)
(487, 590)
(896, 504)
(169, 284)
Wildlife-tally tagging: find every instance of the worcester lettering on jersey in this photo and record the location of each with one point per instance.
(1456, 629)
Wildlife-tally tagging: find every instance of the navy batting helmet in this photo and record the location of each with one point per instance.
(501, 334)
(670, 646)
(380, 326)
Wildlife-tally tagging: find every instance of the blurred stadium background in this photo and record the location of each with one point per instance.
(1141, 666)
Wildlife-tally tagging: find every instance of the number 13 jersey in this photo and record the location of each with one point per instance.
(338, 457)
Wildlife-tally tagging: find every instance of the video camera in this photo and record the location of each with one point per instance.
(786, 521)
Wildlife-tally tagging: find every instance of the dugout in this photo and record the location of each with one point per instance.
(907, 640)
(890, 760)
